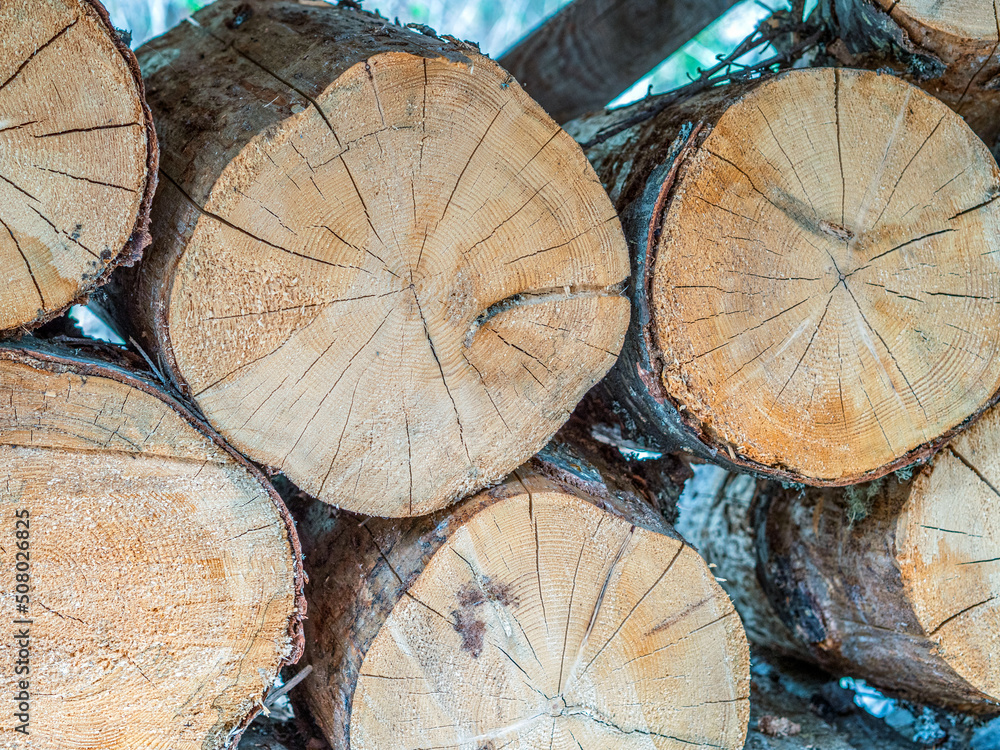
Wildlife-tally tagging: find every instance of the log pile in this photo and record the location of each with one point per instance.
(378, 268)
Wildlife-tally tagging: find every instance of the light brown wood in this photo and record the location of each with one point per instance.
(814, 274)
(721, 514)
(578, 60)
(906, 597)
(537, 614)
(392, 279)
(949, 49)
(161, 577)
(77, 157)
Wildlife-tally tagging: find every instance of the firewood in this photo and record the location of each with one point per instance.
(814, 280)
(721, 519)
(77, 157)
(152, 577)
(905, 597)
(557, 608)
(949, 49)
(380, 268)
(578, 60)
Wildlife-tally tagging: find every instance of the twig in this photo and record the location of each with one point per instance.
(273, 696)
(719, 73)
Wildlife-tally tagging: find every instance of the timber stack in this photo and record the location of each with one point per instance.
(375, 265)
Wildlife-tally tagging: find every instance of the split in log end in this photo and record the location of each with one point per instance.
(541, 619)
(78, 158)
(397, 293)
(825, 285)
(158, 577)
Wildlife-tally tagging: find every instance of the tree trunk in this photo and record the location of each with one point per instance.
(77, 157)
(550, 610)
(906, 597)
(792, 315)
(577, 61)
(380, 268)
(950, 50)
(154, 578)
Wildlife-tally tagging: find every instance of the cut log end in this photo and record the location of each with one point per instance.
(77, 157)
(399, 294)
(161, 578)
(948, 547)
(975, 21)
(544, 620)
(827, 270)
(897, 581)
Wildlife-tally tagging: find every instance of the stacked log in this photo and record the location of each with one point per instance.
(152, 577)
(557, 608)
(949, 49)
(379, 267)
(906, 597)
(813, 273)
(891, 582)
(77, 157)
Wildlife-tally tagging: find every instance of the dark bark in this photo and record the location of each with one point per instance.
(591, 51)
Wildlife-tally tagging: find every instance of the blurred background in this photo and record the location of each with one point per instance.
(494, 24)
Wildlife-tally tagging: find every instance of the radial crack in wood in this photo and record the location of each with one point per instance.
(949, 49)
(908, 597)
(820, 254)
(157, 575)
(533, 615)
(380, 267)
(77, 157)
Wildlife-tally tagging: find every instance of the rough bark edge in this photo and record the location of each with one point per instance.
(140, 238)
(57, 360)
(564, 463)
(123, 313)
(671, 430)
(809, 595)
